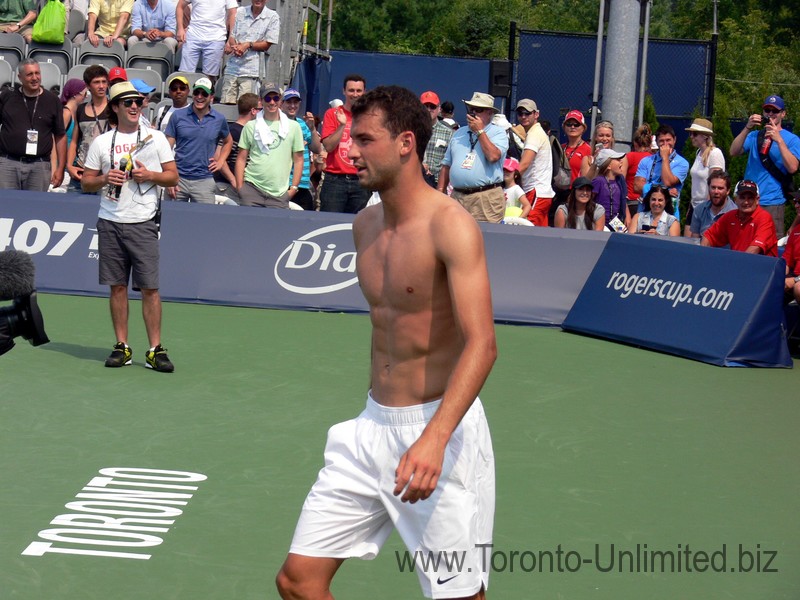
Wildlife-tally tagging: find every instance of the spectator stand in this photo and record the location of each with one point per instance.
(52, 77)
(76, 72)
(149, 76)
(76, 24)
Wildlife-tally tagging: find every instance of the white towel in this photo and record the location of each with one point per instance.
(264, 134)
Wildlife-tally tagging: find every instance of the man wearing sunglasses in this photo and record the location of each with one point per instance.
(473, 162)
(178, 89)
(126, 165)
(773, 157)
(195, 134)
(440, 138)
(273, 143)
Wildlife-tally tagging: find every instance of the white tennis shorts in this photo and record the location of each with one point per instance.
(350, 510)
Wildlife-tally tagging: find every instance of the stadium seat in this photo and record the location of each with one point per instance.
(51, 76)
(76, 72)
(190, 77)
(229, 111)
(61, 56)
(151, 55)
(6, 73)
(149, 76)
(76, 24)
(12, 48)
(102, 55)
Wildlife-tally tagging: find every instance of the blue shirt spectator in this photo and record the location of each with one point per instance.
(153, 21)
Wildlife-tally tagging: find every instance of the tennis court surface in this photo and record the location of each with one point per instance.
(621, 473)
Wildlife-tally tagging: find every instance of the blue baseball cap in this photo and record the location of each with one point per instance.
(142, 87)
(291, 93)
(775, 101)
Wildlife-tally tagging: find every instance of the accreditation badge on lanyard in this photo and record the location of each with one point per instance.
(32, 135)
(469, 161)
(32, 145)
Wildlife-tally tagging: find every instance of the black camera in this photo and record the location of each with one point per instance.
(23, 318)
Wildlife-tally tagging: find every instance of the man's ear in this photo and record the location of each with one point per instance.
(408, 143)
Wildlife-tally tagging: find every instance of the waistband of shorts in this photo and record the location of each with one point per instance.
(347, 176)
(401, 415)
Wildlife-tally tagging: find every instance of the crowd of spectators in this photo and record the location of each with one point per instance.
(276, 155)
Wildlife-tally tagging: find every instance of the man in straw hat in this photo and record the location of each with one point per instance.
(473, 162)
(126, 165)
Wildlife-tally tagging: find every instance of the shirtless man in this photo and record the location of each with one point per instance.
(419, 458)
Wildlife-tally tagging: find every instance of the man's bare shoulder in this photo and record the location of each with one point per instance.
(366, 219)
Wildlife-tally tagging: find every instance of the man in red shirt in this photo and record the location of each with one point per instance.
(791, 254)
(749, 229)
(341, 191)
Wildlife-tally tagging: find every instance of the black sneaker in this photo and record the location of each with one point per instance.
(157, 359)
(120, 356)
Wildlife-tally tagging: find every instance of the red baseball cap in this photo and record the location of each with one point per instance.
(117, 73)
(429, 98)
(577, 115)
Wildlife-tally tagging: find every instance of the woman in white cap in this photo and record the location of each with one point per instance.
(709, 158)
(611, 191)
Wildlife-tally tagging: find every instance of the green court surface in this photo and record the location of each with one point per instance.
(598, 446)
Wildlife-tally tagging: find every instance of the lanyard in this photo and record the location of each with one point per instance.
(114, 142)
(35, 104)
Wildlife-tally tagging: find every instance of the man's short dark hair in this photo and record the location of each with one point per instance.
(448, 107)
(92, 72)
(353, 77)
(402, 111)
(665, 130)
(724, 175)
(247, 102)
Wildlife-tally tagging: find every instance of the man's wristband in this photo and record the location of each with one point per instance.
(480, 132)
(796, 278)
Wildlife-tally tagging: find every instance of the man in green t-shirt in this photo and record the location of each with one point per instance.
(273, 143)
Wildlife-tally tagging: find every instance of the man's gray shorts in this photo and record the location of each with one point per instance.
(197, 190)
(126, 248)
(250, 195)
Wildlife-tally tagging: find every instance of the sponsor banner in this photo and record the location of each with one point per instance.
(283, 259)
(709, 304)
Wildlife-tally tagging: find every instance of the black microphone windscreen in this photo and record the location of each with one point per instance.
(16, 274)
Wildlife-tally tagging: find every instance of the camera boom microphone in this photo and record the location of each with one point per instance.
(123, 166)
(16, 274)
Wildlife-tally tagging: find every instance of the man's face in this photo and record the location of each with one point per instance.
(773, 115)
(291, 107)
(374, 152)
(484, 114)
(747, 202)
(272, 104)
(98, 87)
(128, 110)
(718, 191)
(201, 99)
(179, 92)
(433, 111)
(31, 79)
(525, 118)
(353, 90)
(258, 4)
(666, 139)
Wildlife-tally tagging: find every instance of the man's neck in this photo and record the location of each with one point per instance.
(256, 11)
(152, 3)
(201, 112)
(128, 127)
(99, 100)
(272, 116)
(716, 209)
(31, 94)
(176, 105)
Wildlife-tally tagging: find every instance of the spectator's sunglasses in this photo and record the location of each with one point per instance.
(203, 93)
(523, 113)
(178, 86)
(128, 102)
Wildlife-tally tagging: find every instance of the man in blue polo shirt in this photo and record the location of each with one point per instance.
(473, 162)
(194, 133)
(719, 202)
(666, 168)
(291, 106)
(773, 157)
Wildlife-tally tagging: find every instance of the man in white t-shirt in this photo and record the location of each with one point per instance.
(536, 168)
(211, 23)
(126, 165)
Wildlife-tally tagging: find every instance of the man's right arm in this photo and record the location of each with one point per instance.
(332, 140)
(180, 32)
(737, 145)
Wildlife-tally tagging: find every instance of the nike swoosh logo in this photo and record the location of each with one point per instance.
(440, 581)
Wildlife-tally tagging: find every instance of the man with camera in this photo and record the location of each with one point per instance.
(126, 165)
(773, 156)
(473, 162)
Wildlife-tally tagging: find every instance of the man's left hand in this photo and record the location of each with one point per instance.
(419, 470)
(140, 173)
(57, 178)
(214, 165)
(474, 123)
